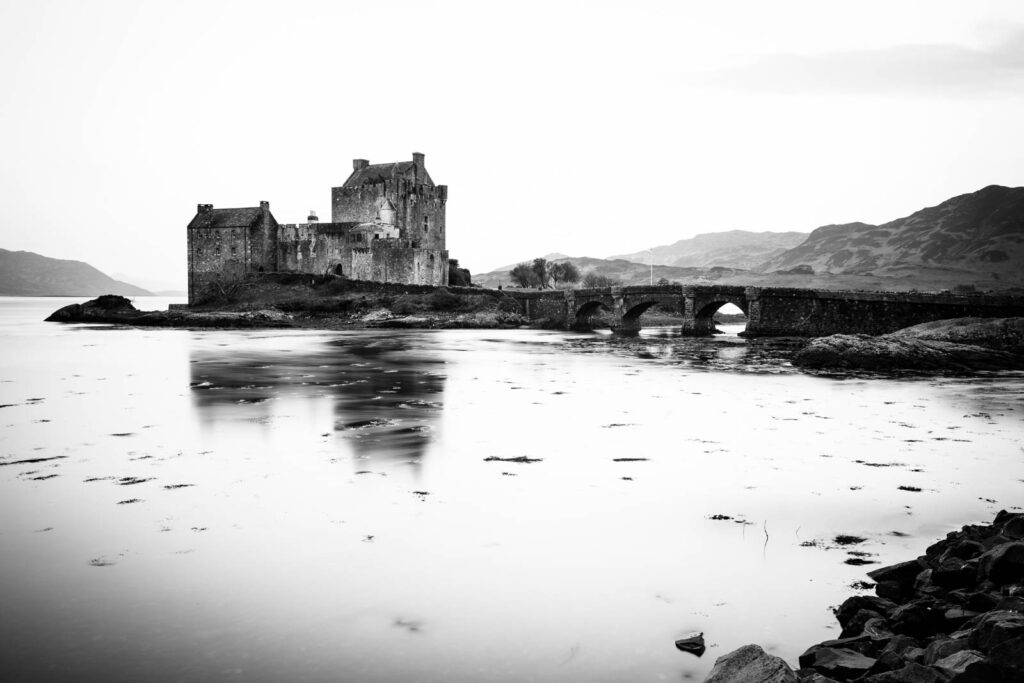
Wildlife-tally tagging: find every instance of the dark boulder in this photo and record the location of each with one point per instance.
(1004, 563)
(921, 618)
(943, 647)
(993, 628)
(1008, 658)
(862, 603)
(909, 673)
(841, 664)
(967, 666)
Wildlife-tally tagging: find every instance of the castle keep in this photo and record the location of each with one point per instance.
(387, 225)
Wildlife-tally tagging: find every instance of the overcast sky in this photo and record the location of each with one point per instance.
(589, 128)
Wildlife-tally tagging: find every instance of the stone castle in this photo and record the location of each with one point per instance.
(387, 225)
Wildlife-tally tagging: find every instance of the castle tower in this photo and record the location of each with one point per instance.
(387, 214)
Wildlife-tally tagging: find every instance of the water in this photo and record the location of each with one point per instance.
(318, 506)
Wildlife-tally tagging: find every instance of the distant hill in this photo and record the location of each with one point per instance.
(731, 249)
(627, 272)
(23, 273)
(979, 235)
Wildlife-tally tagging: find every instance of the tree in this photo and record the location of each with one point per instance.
(540, 269)
(524, 276)
(662, 281)
(565, 271)
(593, 280)
(458, 277)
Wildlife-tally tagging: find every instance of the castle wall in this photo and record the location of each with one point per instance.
(216, 254)
(413, 203)
(262, 242)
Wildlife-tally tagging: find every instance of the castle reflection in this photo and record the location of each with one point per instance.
(386, 394)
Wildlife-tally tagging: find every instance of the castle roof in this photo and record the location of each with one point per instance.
(227, 218)
(378, 173)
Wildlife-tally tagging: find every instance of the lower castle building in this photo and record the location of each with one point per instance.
(387, 225)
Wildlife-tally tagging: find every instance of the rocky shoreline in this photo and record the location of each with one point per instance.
(953, 615)
(114, 309)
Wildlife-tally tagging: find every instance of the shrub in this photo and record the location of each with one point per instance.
(443, 300)
(406, 304)
(507, 304)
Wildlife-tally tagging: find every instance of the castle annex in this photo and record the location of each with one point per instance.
(387, 225)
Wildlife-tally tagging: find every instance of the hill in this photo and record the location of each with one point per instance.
(23, 273)
(976, 236)
(731, 249)
(627, 272)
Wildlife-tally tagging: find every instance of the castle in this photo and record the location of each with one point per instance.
(387, 225)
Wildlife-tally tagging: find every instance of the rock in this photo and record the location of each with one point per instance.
(693, 644)
(1013, 528)
(1004, 563)
(890, 352)
(909, 673)
(967, 666)
(996, 333)
(920, 618)
(750, 664)
(855, 625)
(956, 617)
(1008, 659)
(953, 573)
(102, 308)
(943, 647)
(1013, 603)
(994, 628)
(858, 603)
(902, 574)
(839, 663)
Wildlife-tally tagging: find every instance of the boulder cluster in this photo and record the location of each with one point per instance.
(955, 614)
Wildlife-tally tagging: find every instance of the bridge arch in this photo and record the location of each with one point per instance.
(587, 310)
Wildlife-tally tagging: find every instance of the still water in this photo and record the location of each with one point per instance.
(332, 506)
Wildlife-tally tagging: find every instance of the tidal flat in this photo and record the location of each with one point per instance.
(458, 505)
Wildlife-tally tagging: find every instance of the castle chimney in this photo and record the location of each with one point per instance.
(203, 208)
(265, 208)
(417, 159)
(359, 164)
(311, 218)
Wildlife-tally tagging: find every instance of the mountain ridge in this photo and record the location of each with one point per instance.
(980, 231)
(26, 273)
(742, 249)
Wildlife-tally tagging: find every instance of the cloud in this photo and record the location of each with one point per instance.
(931, 70)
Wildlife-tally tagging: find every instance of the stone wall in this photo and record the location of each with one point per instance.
(814, 313)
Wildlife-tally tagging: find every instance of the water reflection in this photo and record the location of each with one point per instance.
(386, 394)
(727, 351)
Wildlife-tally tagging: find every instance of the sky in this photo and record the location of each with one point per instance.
(587, 128)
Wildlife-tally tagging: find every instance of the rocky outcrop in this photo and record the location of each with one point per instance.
(993, 333)
(953, 615)
(961, 344)
(111, 308)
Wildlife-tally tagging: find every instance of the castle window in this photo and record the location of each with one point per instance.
(234, 250)
(426, 223)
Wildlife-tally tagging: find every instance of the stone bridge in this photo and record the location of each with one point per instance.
(771, 311)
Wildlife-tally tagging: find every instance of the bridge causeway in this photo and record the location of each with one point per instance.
(770, 311)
